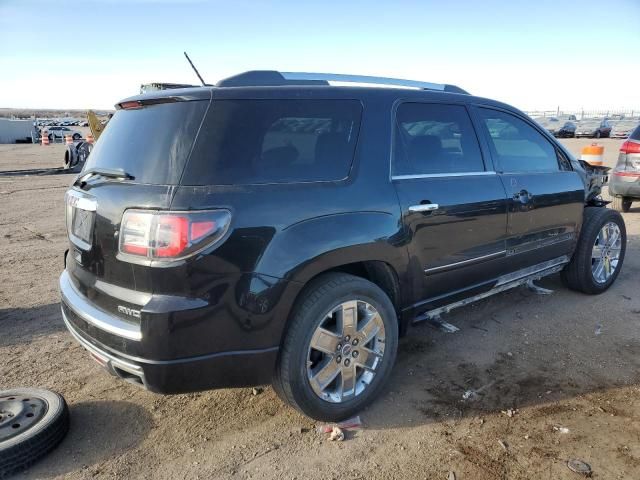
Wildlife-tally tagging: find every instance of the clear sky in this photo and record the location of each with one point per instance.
(534, 54)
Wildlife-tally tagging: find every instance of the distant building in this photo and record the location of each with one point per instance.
(17, 131)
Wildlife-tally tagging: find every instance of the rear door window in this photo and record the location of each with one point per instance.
(435, 139)
(635, 135)
(275, 141)
(516, 145)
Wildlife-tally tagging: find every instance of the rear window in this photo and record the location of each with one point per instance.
(151, 143)
(635, 135)
(275, 141)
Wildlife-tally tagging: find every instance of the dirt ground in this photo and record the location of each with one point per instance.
(563, 361)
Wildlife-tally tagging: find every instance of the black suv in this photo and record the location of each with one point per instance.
(278, 228)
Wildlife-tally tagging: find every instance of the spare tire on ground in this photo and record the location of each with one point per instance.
(70, 157)
(32, 423)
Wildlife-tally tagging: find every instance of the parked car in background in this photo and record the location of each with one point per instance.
(593, 128)
(275, 228)
(623, 128)
(624, 183)
(558, 127)
(61, 132)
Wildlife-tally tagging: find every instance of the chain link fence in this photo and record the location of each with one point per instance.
(582, 114)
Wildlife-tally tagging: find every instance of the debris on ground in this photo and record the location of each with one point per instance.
(350, 424)
(256, 390)
(452, 475)
(537, 289)
(337, 435)
(510, 412)
(559, 429)
(473, 394)
(578, 466)
(598, 329)
(503, 444)
(438, 323)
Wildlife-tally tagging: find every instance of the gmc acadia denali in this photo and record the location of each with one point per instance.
(279, 228)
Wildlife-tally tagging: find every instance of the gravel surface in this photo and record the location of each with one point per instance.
(528, 383)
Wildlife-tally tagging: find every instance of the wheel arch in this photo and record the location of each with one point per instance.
(378, 272)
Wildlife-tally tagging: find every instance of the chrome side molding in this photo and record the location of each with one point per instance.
(506, 282)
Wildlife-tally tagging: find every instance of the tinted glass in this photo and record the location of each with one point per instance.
(151, 143)
(517, 146)
(635, 135)
(275, 141)
(435, 139)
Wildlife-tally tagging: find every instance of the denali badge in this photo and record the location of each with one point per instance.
(129, 311)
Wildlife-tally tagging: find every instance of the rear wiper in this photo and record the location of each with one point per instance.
(104, 172)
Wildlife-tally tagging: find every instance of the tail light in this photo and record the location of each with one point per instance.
(161, 235)
(630, 147)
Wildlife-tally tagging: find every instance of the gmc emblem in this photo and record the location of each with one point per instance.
(129, 311)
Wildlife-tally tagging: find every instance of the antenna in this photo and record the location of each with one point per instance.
(195, 69)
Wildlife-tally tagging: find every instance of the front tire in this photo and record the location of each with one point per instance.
(599, 254)
(339, 349)
(621, 204)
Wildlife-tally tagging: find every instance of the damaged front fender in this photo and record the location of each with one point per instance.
(594, 178)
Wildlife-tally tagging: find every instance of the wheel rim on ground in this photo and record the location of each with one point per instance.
(345, 351)
(605, 254)
(19, 413)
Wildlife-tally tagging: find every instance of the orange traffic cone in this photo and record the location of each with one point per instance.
(45, 137)
(593, 154)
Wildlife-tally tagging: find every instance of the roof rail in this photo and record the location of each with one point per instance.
(256, 78)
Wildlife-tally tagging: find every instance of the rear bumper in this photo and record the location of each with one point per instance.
(120, 347)
(624, 186)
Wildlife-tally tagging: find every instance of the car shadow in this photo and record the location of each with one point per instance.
(99, 430)
(33, 322)
(517, 349)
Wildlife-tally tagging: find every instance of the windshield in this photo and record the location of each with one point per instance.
(589, 124)
(547, 121)
(150, 143)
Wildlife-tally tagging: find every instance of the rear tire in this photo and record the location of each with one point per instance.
(621, 204)
(581, 272)
(320, 303)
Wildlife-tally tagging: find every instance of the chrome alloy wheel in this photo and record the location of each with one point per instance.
(345, 351)
(605, 254)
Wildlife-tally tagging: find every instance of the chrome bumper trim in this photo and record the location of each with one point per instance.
(107, 358)
(95, 316)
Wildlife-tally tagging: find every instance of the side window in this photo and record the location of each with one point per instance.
(435, 139)
(296, 139)
(516, 145)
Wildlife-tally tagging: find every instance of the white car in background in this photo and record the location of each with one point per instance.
(61, 132)
(623, 128)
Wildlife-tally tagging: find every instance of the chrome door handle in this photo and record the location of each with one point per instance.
(426, 207)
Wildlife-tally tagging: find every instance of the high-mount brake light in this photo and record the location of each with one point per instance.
(170, 235)
(630, 147)
(130, 105)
